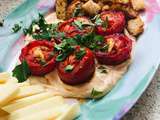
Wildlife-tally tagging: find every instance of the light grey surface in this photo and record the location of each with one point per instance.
(147, 107)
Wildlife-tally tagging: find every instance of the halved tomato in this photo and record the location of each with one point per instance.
(118, 49)
(75, 26)
(114, 20)
(78, 67)
(39, 56)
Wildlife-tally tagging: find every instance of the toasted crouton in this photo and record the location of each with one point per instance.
(130, 12)
(135, 26)
(122, 1)
(61, 6)
(105, 7)
(91, 7)
(74, 9)
(138, 4)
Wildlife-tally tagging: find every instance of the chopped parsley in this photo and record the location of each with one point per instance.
(22, 72)
(80, 54)
(90, 40)
(69, 68)
(99, 21)
(16, 28)
(61, 57)
(96, 93)
(102, 69)
(42, 62)
(44, 31)
(105, 23)
(65, 50)
(79, 24)
(77, 11)
(1, 23)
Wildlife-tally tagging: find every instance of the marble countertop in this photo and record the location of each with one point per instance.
(147, 107)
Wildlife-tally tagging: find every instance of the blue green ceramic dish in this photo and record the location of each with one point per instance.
(127, 91)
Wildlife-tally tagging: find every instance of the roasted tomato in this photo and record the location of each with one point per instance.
(78, 67)
(75, 26)
(39, 56)
(118, 49)
(114, 20)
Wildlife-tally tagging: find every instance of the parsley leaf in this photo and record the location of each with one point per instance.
(22, 72)
(44, 31)
(65, 49)
(61, 57)
(105, 23)
(96, 93)
(80, 54)
(45, 35)
(78, 24)
(98, 20)
(102, 69)
(1, 23)
(77, 11)
(16, 28)
(69, 68)
(99, 38)
(71, 41)
(29, 30)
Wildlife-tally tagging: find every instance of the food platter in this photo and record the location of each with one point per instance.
(126, 92)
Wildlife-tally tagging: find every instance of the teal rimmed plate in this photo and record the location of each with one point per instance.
(127, 91)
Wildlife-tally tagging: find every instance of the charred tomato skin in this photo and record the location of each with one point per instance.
(83, 69)
(35, 67)
(121, 50)
(116, 22)
(71, 30)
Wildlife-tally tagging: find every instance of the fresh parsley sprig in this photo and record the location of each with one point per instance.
(46, 31)
(95, 93)
(64, 49)
(16, 28)
(69, 68)
(22, 72)
(80, 54)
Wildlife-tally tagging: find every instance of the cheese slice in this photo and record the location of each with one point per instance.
(26, 91)
(20, 103)
(8, 93)
(70, 113)
(4, 76)
(53, 102)
(49, 114)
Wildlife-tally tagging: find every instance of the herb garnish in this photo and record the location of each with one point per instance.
(42, 62)
(16, 28)
(69, 68)
(90, 40)
(96, 93)
(22, 72)
(77, 11)
(65, 49)
(1, 23)
(80, 54)
(99, 21)
(79, 24)
(105, 23)
(102, 69)
(45, 31)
